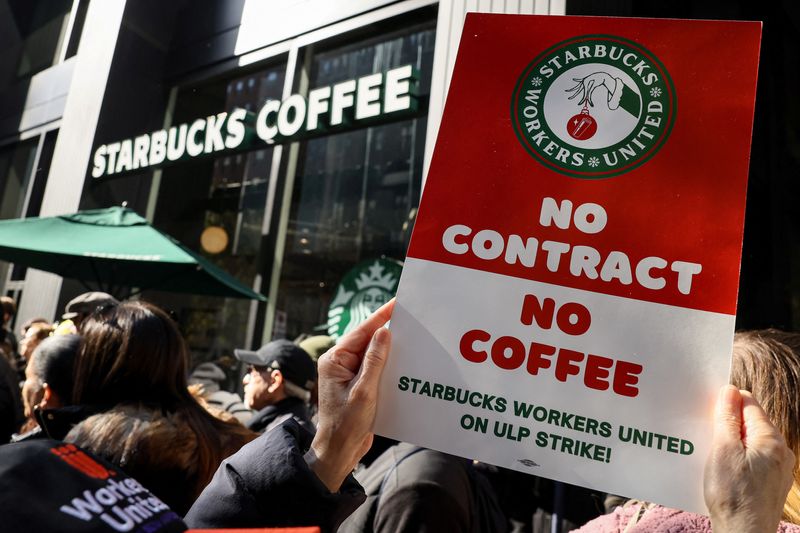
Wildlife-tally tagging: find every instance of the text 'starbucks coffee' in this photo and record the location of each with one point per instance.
(594, 107)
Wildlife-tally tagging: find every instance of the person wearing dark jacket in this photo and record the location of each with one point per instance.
(156, 447)
(413, 489)
(209, 378)
(48, 485)
(269, 483)
(255, 486)
(278, 383)
(48, 379)
(750, 466)
(288, 478)
(273, 414)
(132, 364)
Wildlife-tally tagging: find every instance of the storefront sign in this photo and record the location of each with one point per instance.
(344, 105)
(568, 301)
(364, 288)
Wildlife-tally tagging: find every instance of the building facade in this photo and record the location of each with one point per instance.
(90, 87)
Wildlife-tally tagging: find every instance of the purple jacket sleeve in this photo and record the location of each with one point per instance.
(268, 484)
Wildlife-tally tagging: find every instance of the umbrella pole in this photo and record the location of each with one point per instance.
(164, 281)
(97, 275)
(118, 291)
(86, 285)
(111, 282)
(124, 292)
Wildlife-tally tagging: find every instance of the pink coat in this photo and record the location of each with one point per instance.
(657, 519)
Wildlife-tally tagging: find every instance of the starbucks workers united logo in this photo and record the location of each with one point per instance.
(594, 106)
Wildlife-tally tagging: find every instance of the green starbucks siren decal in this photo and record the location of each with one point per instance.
(594, 107)
(361, 292)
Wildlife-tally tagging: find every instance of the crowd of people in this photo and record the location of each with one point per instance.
(108, 430)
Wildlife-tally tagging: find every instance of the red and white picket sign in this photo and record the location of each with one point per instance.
(567, 305)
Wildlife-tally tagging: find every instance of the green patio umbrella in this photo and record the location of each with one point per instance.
(114, 247)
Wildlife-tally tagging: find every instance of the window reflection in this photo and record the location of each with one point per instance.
(37, 31)
(355, 193)
(227, 192)
(16, 163)
(16, 169)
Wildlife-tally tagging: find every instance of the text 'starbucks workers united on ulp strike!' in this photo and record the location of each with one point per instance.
(567, 305)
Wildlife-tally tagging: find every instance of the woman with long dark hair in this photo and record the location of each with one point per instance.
(132, 370)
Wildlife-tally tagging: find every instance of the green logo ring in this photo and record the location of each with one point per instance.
(637, 85)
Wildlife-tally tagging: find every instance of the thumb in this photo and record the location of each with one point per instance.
(728, 416)
(755, 420)
(375, 359)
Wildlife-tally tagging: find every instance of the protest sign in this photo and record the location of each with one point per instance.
(567, 305)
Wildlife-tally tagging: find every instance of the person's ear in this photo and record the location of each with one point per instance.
(277, 380)
(50, 400)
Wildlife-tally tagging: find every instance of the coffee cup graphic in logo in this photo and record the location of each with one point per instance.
(594, 106)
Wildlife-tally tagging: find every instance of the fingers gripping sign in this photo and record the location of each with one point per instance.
(349, 374)
(749, 471)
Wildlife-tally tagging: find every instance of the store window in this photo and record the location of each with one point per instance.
(39, 29)
(78, 20)
(38, 179)
(353, 197)
(16, 162)
(216, 206)
(16, 168)
(355, 193)
(35, 180)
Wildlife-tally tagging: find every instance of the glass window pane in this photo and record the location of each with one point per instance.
(16, 163)
(77, 29)
(355, 193)
(41, 31)
(228, 192)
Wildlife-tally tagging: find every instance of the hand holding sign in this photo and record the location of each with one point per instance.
(347, 399)
(749, 471)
